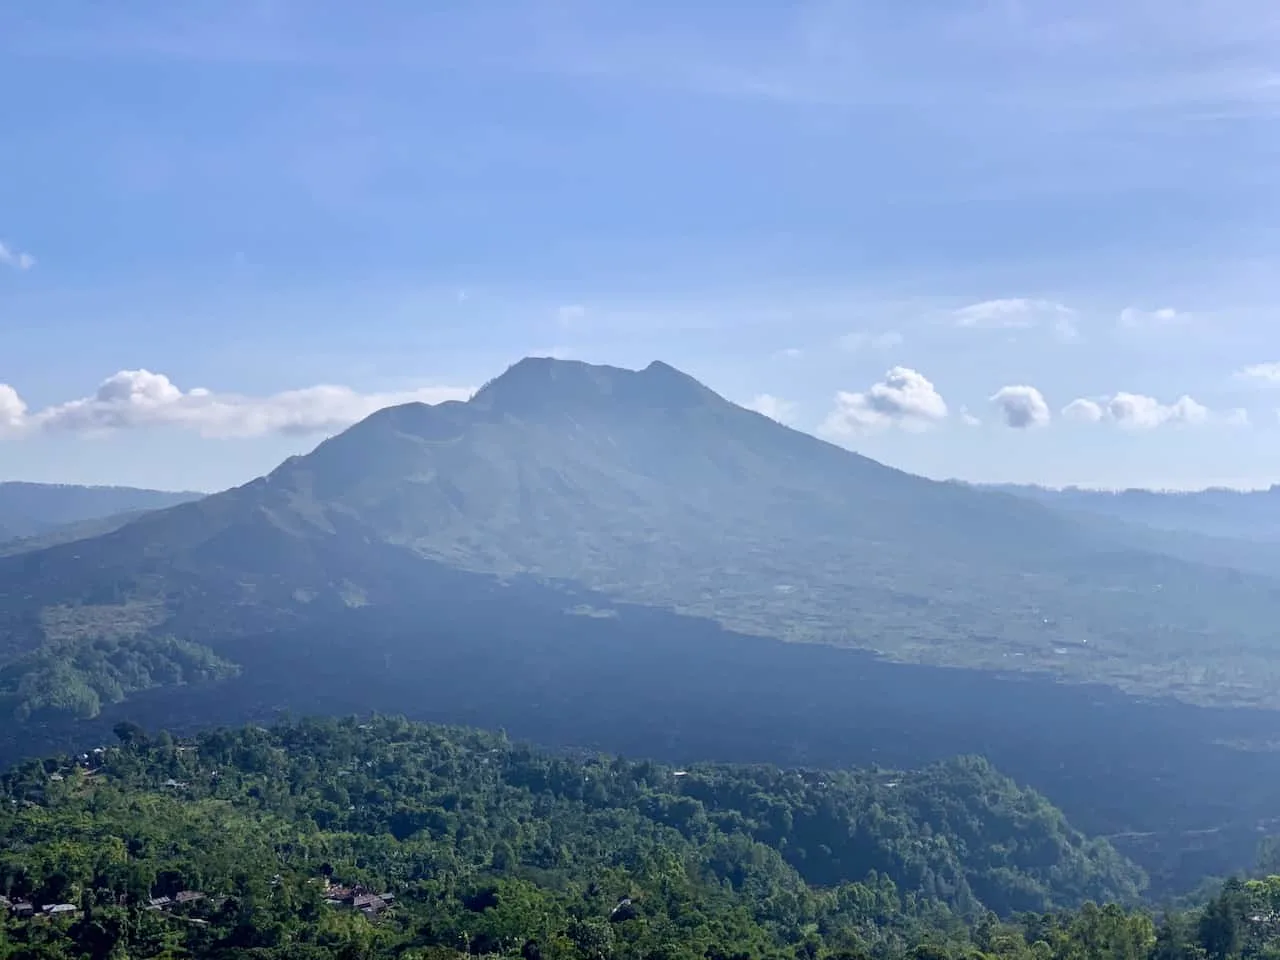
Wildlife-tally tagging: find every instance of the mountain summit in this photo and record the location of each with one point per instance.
(646, 486)
(543, 384)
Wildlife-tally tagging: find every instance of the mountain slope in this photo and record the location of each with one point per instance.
(648, 487)
(35, 509)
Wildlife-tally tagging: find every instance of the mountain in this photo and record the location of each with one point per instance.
(646, 487)
(563, 556)
(38, 509)
(1252, 515)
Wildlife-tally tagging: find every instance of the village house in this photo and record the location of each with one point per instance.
(180, 899)
(372, 904)
(358, 898)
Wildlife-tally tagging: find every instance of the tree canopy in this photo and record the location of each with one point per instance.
(484, 846)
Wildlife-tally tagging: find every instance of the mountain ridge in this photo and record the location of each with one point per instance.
(35, 509)
(1251, 515)
(647, 487)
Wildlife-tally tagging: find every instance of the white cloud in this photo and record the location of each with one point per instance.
(861, 340)
(904, 398)
(13, 411)
(791, 353)
(16, 259)
(968, 419)
(1133, 318)
(1022, 407)
(1020, 313)
(1082, 410)
(1267, 374)
(134, 399)
(1137, 412)
(775, 408)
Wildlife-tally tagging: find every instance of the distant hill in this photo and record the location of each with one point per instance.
(645, 486)
(1236, 514)
(69, 533)
(37, 509)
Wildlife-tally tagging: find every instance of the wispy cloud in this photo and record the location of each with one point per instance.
(571, 315)
(1008, 313)
(860, 341)
(904, 398)
(1237, 417)
(134, 399)
(1265, 374)
(14, 258)
(1096, 56)
(1134, 318)
(1097, 59)
(1019, 313)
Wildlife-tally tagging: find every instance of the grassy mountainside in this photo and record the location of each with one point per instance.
(648, 487)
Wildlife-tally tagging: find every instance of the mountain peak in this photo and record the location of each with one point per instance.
(547, 384)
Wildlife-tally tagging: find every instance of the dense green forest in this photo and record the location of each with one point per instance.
(386, 838)
(77, 676)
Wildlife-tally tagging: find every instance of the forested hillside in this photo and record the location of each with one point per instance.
(484, 845)
(77, 676)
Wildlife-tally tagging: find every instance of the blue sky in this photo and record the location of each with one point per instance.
(1000, 240)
